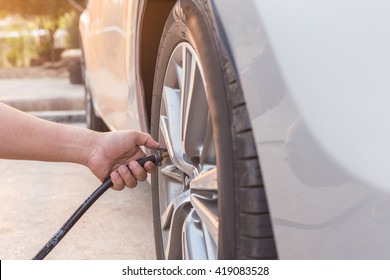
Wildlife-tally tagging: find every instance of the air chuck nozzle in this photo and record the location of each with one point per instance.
(160, 155)
(156, 158)
(164, 153)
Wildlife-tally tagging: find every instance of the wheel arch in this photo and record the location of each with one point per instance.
(155, 14)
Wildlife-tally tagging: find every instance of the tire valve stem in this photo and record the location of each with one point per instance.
(164, 153)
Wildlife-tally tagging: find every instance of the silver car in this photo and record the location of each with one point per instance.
(275, 114)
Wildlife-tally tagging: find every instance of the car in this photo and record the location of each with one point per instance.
(275, 115)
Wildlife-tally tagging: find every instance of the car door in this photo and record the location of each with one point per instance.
(109, 60)
(109, 74)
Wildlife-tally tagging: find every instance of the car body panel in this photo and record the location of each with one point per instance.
(315, 79)
(110, 61)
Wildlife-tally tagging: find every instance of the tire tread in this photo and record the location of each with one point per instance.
(255, 239)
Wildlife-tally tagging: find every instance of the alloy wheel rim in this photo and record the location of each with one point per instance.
(187, 183)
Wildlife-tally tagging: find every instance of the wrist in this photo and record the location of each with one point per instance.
(89, 146)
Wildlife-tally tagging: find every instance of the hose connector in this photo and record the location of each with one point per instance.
(156, 158)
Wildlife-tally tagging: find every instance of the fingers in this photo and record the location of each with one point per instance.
(129, 176)
(150, 167)
(138, 171)
(117, 182)
(144, 139)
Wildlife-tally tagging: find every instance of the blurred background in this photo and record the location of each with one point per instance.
(40, 35)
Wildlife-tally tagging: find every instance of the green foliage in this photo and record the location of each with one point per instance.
(72, 26)
(14, 55)
(38, 14)
(32, 8)
(17, 46)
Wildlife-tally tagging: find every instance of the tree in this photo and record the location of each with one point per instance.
(46, 13)
(32, 8)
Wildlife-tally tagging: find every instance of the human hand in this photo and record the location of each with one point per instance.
(114, 150)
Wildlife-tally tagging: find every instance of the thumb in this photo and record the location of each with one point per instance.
(144, 139)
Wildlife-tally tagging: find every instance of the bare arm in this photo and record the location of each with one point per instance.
(23, 136)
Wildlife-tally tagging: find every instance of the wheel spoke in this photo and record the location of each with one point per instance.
(172, 172)
(173, 219)
(187, 86)
(211, 245)
(208, 213)
(176, 203)
(204, 200)
(208, 152)
(170, 128)
(188, 72)
(194, 107)
(179, 75)
(194, 245)
(207, 181)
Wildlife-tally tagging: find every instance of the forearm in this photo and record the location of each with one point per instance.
(25, 137)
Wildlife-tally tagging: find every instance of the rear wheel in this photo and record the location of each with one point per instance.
(93, 121)
(208, 199)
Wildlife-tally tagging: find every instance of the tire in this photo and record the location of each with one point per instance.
(215, 155)
(75, 73)
(92, 120)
